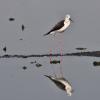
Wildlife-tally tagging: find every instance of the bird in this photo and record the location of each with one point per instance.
(61, 83)
(60, 26)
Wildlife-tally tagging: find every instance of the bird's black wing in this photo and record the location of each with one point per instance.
(58, 26)
(59, 84)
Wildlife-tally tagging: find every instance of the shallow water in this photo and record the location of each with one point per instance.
(38, 17)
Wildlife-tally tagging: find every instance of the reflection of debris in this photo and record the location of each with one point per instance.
(96, 63)
(80, 48)
(5, 49)
(11, 19)
(32, 62)
(38, 65)
(23, 27)
(62, 83)
(24, 67)
(55, 62)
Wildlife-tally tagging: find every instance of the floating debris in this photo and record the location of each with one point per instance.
(38, 65)
(96, 63)
(55, 62)
(5, 49)
(80, 48)
(62, 83)
(32, 62)
(89, 53)
(11, 19)
(23, 27)
(24, 67)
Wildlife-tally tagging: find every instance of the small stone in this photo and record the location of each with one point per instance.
(23, 27)
(38, 65)
(96, 63)
(24, 67)
(5, 49)
(11, 19)
(32, 62)
(21, 39)
(80, 48)
(55, 62)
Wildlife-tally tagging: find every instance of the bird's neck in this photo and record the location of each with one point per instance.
(67, 22)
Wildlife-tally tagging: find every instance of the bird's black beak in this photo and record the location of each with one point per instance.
(71, 20)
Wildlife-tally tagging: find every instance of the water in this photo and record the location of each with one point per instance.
(38, 17)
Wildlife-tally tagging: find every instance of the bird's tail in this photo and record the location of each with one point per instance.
(50, 77)
(46, 34)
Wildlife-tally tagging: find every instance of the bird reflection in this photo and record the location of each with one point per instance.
(62, 83)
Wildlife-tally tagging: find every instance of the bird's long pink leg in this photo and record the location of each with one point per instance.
(61, 60)
(50, 52)
(61, 53)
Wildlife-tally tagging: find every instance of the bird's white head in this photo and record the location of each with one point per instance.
(69, 90)
(68, 18)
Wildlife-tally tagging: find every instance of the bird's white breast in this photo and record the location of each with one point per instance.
(66, 24)
(68, 87)
(65, 83)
